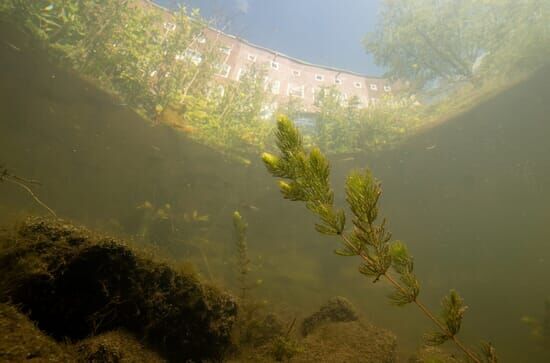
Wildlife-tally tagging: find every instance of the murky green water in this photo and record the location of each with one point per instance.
(471, 197)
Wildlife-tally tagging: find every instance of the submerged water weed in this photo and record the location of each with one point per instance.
(6, 176)
(284, 346)
(243, 261)
(254, 327)
(305, 177)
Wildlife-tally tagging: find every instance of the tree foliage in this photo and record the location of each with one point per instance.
(152, 63)
(345, 126)
(434, 42)
(232, 116)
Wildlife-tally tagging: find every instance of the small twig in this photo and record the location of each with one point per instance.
(291, 326)
(206, 264)
(21, 182)
(37, 200)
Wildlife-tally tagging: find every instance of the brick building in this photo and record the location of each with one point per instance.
(287, 76)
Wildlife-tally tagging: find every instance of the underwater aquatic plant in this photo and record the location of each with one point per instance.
(284, 347)
(306, 178)
(243, 261)
(5, 175)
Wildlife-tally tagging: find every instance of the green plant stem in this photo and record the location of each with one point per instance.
(417, 302)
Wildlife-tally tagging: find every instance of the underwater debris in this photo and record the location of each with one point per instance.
(305, 177)
(5, 175)
(75, 284)
(335, 310)
(195, 216)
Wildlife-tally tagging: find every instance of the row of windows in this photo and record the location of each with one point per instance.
(295, 91)
(321, 78)
(225, 69)
(196, 58)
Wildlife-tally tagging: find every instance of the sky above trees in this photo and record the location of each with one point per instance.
(326, 32)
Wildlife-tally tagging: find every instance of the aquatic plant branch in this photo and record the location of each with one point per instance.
(22, 183)
(417, 302)
(307, 180)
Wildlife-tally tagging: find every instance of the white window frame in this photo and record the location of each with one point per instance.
(387, 88)
(343, 99)
(169, 26)
(296, 72)
(276, 87)
(275, 65)
(319, 77)
(225, 49)
(241, 73)
(224, 71)
(358, 84)
(268, 110)
(373, 87)
(201, 39)
(292, 88)
(267, 84)
(252, 57)
(338, 81)
(315, 91)
(193, 56)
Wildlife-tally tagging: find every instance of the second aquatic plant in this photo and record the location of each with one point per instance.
(305, 177)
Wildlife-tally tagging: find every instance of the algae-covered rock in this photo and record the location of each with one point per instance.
(75, 284)
(22, 341)
(335, 334)
(352, 341)
(115, 347)
(259, 330)
(335, 310)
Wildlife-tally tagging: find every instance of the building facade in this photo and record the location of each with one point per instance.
(287, 76)
(291, 77)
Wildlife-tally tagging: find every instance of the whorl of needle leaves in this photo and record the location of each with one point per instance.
(452, 314)
(306, 178)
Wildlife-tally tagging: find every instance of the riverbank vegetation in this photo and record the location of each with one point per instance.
(152, 65)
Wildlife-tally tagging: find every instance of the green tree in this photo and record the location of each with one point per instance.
(232, 117)
(431, 42)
